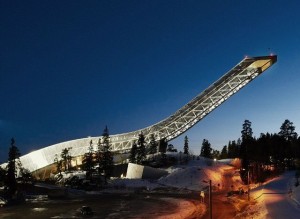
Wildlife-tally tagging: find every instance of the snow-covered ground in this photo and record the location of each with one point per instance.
(271, 200)
(278, 198)
(193, 175)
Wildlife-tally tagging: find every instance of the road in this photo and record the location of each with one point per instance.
(277, 201)
(222, 208)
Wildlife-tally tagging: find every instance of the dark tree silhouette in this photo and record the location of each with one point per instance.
(104, 157)
(107, 159)
(233, 149)
(287, 131)
(171, 148)
(25, 177)
(230, 150)
(206, 150)
(297, 150)
(133, 153)
(58, 163)
(224, 153)
(246, 131)
(152, 145)
(98, 156)
(141, 150)
(186, 145)
(245, 149)
(66, 158)
(163, 144)
(215, 154)
(14, 164)
(2, 176)
(88, 161)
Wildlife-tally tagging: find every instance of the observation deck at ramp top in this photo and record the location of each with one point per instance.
(182, 120)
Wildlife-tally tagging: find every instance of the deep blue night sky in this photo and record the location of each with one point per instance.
(68, 68)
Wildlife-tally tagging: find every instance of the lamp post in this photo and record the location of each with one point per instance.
(248, 184)
(248, 174)
(210, 198)
(210, 201)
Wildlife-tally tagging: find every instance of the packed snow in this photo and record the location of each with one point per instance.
(277, 198)
(194, 175)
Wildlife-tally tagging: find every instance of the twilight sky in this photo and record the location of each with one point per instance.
(68, 68)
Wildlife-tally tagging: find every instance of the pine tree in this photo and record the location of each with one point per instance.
(247, 141)
(163, 144)
(152, 145)
(246, 131)
(133, 153)
(288, 134)
(88, 161)
(141, 150)
(235, 148)
(99, 156)
(232, 150)
(287, 131)
(13, 166)
(69, 161)
(66, 158)
(25, 176)
(238, 147)
(215, 154)
(246, 149)
(58, 163)
(106, 163)
(171, 148)
(298, 149)
(186, 146)
(2, 176)
(206, 150)
(224, 153)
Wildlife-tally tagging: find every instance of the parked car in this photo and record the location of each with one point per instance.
(86, 210)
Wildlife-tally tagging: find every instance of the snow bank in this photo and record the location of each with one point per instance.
(286, 190)
(67, 175)
(256, 210)
(296, 195)
(194, 176)
(295, 191)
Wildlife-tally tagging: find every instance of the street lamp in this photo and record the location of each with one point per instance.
(248, 176)
(248, 184)
(210, 198)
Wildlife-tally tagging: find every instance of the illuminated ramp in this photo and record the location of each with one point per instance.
(171, 127)
(186, 117)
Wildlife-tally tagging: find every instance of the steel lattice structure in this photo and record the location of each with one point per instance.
(171, 127)
(201, 105)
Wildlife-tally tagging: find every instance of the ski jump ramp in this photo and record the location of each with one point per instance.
(171, 127)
